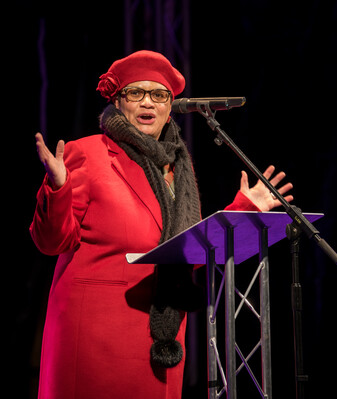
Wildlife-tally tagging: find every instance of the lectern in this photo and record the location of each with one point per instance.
(229, 238)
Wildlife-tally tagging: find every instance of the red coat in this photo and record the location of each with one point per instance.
(96, 341)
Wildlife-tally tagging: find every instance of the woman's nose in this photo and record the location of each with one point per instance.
(147, 101)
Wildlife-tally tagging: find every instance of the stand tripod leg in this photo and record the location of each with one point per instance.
(211, 326)
(230, 314)
(265, 315)
(230, 319)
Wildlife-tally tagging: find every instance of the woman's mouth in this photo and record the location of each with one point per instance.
(146, 118)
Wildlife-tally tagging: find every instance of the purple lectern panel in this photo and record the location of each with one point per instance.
(191, 245)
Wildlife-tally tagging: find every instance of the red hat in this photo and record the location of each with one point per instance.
(141, 65)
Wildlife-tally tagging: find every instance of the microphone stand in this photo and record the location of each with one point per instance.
(299, 220)
(300, 224)
(294, 235)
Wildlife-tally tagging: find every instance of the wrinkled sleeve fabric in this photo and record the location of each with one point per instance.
(56, 224)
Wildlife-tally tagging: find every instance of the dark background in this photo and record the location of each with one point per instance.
(280, 56)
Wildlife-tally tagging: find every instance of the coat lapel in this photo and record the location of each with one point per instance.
(135, 177)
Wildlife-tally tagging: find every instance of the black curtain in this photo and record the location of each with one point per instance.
(280, 56)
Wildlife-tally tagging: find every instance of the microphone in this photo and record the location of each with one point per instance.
(185, 105)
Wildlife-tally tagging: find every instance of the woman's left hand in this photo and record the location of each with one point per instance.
(260, 194)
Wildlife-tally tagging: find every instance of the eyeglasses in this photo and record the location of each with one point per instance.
(136, 94)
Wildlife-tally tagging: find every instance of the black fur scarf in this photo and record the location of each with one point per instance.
(175, 292)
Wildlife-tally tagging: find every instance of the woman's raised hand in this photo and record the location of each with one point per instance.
(260, 195)
(54, 165)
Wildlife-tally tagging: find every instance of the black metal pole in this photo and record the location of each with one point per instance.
(293, 234)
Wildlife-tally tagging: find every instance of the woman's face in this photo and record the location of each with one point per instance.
(146, 115)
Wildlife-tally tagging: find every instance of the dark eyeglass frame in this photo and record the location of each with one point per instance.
(123, 93)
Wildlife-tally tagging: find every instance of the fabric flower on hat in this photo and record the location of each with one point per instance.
(108, 85)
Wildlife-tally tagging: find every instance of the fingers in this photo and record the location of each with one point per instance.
(277, 179)
(54, 165)
(284, 189)
(44, 154)
(244, 179)
(288, 198)
(39, 140)
(59, 150)
(269, 171)
(41, 148)
(39, 136)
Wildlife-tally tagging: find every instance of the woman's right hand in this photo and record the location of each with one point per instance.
(54, 165)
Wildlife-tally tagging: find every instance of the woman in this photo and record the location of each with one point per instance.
(125, 190)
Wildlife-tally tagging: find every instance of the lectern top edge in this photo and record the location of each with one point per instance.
(190, 246)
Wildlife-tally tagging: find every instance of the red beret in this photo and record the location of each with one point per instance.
(141, 65)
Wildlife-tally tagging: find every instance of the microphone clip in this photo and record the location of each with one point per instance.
(210, 119)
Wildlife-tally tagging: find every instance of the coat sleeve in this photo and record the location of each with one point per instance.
(242, 203)
(56, 224)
